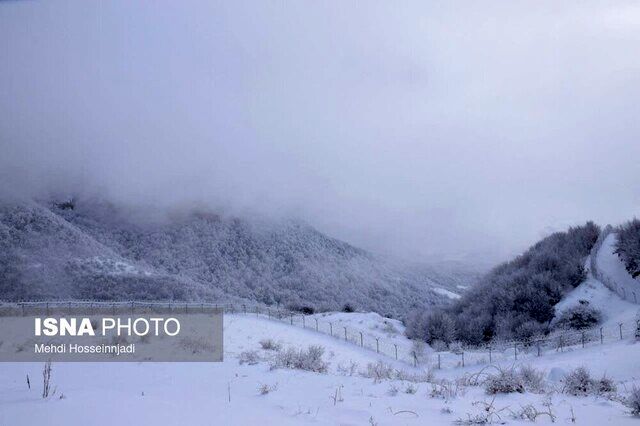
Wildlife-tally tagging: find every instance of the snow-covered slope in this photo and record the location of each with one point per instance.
(228, 393)
(373, 326)
(42, 256)
(614, 310)
(611, 270)
(447, 293)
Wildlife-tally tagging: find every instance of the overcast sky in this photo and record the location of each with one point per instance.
(421, 129)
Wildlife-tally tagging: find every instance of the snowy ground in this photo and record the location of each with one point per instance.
(612, 269)
(447, 293)
(613, 308)
(199, 393)
(372, 325)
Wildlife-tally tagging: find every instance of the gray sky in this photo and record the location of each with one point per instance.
(421, 129)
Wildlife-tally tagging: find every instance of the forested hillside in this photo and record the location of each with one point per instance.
(516, 299)
(95, 250)
(628, 246)
(42, 256)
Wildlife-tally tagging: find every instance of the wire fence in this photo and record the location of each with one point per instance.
(412, 354)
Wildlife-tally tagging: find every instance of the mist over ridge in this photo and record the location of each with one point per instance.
(89, 250)
(380, 126)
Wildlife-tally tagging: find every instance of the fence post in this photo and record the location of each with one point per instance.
(490, 361)
(396, 346)
(316, 323)
(620, 330)
(439, 366)
(303, 322)
(361, 341)
(331, 328)
(462, 358)
(186, 308)
(538, 345)
(377, 345)
(601, 336)
(561, 343)
(415, 359)
(244, 308)
(515, 350)
(269, 313)
(582, 337)
(291, 319)
(345, 333)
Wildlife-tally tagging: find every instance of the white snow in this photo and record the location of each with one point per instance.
(612, 269)
(372, 325)
(613, 308)
(198, 393)
(446, 293)
(243, 333)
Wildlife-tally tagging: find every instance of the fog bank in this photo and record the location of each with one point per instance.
(422, 130)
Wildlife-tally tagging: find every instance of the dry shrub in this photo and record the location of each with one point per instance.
(393, 390)
(265, 389)
(348, 370)
(605, 386)
(379, 371)
(249, 357)
(532, 379)
(633, 401)
(270, 345)
(505, 381)
(308, 360)
(423, 377)
(578, 382)
(411, 389)
(447, 389)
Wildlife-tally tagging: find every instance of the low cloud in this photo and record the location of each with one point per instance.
(421, 130)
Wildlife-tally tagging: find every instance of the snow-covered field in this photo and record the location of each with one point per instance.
(228, 393)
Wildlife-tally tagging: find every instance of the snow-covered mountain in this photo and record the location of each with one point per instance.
(95, 250)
